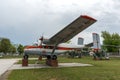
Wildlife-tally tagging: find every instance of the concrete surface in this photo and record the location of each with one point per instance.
(5, 64)
(9, 64)
(33, 66)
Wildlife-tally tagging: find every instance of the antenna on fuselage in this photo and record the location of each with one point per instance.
(41, 39)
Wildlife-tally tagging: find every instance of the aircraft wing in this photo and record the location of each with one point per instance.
(71, 30)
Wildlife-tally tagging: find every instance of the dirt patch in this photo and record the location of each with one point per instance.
(5, 75)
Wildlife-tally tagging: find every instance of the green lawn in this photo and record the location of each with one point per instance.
(102, 70)
(19, 56)
(10, 57)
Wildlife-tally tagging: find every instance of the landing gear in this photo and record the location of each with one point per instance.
(54, 57)
(25, 56)
(52, 60)
(48, 57)
(25, 60)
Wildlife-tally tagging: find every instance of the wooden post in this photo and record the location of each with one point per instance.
(40, 58)
(53, 63)
(24, 62)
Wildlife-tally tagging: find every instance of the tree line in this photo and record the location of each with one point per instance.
(111, 42)
(7, 47)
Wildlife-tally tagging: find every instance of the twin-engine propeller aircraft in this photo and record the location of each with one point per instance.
(56, 44)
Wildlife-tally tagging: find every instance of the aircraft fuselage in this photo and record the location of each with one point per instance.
(47, 49)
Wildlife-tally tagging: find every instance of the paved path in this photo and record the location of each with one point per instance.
(9, 64)
(5, 64)
(33, 66)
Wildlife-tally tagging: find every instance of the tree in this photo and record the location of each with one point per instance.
(5, 45)
(12, 49)
(20, 49)
(111, 41)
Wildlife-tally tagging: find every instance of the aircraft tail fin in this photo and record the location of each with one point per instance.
(96, 41)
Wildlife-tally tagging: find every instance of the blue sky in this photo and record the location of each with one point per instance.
(25, 21)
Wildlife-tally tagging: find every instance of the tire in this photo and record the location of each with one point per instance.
(48, 57)
(25, 56)
(54, 57)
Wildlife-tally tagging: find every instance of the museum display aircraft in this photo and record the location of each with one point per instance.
(56, 44)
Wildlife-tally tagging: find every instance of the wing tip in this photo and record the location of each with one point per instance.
(88, 17)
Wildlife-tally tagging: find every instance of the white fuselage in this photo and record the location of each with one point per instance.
(47, 49)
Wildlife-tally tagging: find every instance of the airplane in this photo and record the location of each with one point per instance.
(56, 44)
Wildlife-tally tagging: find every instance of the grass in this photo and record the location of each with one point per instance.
(19, 56)
(10, 57)
(102, 70)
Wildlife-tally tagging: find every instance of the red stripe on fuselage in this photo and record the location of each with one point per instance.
(65, 48)
(28, 47)
(50, 47)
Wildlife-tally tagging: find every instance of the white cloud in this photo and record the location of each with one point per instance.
(24, 21)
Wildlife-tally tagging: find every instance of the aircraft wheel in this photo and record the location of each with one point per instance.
(48, 57)
(25, 56)
(54, 57)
